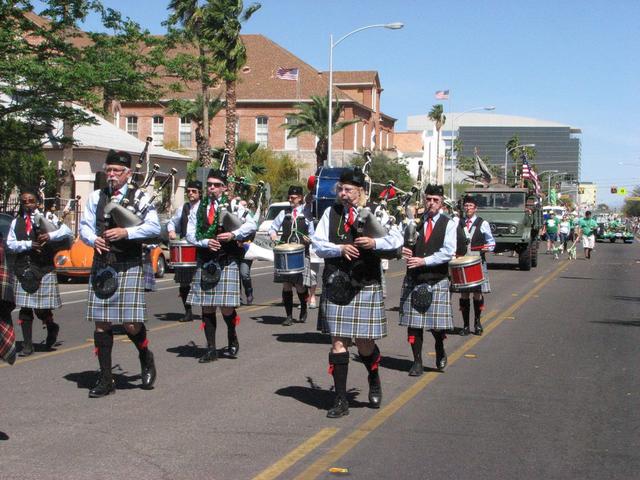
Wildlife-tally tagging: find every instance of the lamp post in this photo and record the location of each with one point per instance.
(332, 44)
(506, 153)
(549, 181)
(453, 140)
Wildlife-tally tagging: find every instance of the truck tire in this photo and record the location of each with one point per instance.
(534, 254)
(524, 259)
(612, 240)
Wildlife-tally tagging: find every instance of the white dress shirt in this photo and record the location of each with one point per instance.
(245, 230)
(18, 246)
(448, 249)
(173, 225)
(485, 229)
(300, 211)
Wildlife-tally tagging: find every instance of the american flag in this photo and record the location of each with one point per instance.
(529, 174)
(442, 95)
(287, 74)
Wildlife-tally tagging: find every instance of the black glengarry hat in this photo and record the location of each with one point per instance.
(295, 190)
(197, 184)
(120, 157)
(469, 199)
(353, 176)
(219, 174)
(431, 189)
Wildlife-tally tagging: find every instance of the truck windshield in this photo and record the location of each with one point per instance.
(500, 200)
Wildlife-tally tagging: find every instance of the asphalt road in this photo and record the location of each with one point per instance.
(549, 391)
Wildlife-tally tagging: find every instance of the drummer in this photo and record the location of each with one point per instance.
(348, 312)
(177, 228)
(479, 240)
(297, 227)
(425, 301)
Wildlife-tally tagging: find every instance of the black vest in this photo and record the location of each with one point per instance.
(125, 249)
(43, 259)
(300, 227)
(366, 268)
(433, 273)
(184, 219)
(477, 239)
(230, 249)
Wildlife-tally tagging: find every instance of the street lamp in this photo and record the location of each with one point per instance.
(453, 140)
(549, 180)
(506, 153)
(332, 44)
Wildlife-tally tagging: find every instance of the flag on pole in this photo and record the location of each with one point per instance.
(442, 95)
(287, 74)
(529, 174)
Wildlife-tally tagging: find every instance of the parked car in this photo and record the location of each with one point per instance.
(272, 212)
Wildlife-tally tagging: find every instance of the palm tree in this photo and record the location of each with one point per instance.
(222, 23)
(436, 115)
(194, 111)
(312, 118)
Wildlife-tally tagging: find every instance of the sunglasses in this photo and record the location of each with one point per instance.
(215, 184)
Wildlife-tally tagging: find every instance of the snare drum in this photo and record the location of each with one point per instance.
(466, 272)
(288, 258)
(183, 254)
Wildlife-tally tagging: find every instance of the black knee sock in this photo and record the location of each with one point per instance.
(210, 323)
(232, 321)
(287, 299)
(248, 287)
(372, 361)
(439, 337)
(103, 342)
(140, 340)
(465, 308)
(339, 369)
(45, 315)
(184, 293)
(303, 302)
(26, 323)
(478, 306)
(415, 337)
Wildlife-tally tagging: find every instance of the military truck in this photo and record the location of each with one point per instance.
(515, 217)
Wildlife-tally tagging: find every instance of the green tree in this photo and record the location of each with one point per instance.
(516, 154)
(384, 169)
(631, 207)
(436, 114)
(311, 118)
(194, 111)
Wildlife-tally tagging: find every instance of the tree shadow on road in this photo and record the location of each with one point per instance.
(621, 323)
(305, 337)
(169, 316)
(319, 398)
(87, 379)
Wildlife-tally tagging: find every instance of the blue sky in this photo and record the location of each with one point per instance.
(570, 61)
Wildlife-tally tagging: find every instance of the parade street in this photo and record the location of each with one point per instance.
(550, 391)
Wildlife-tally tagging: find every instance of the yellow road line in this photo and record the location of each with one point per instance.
(270, 303)
(330, 458)
(296, 454)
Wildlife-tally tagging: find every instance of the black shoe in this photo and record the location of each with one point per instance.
(52, 334)
(478, 328)
(465, 331)
(27, 349)
(303, 317)
(441, 361)
(249, 299)
(233, 349)
(188, 316)
(210, 356)
(148, 370)
(288, 321)
(340, 408)
(104, 387)
(416, 369)
(375, 391)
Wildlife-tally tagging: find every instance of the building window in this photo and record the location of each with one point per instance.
(157, 131)
(262, 131)
(185, 133)
(290, 143)
(132, 126)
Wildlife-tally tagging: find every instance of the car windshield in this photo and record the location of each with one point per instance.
(274, 210)
(500, 200)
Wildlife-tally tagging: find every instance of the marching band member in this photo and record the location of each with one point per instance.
(297, 227)
(246, 210)
(216, 282)
(478, 239)
(7, 304)
(116, 285)
(37, 285)
(346, 311)
(425, 299)
(177, 226)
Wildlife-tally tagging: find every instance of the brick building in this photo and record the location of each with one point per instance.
(265, 102)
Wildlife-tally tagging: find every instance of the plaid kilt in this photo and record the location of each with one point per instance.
(226, 293)
(46, 297)
(149, 276)
(484, 288)
(439, 315)
(7, 340)
(127, 304)
(184, 275)
(7, 285)
(364, 317)
(306, 278)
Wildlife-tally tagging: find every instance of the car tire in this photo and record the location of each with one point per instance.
(534, 254)
(524, 259)
(162, 267)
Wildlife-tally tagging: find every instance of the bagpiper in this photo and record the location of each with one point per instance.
(7, 304)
